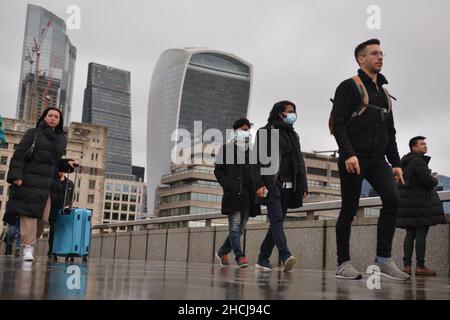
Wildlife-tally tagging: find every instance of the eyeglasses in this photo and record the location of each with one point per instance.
(376, 53)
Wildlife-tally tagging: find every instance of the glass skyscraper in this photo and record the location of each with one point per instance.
(107, 102)
(57, 61)
(192, 84)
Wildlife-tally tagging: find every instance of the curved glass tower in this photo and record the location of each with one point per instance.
(192, 84)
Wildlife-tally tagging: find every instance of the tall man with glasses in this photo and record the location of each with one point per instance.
(363, 125)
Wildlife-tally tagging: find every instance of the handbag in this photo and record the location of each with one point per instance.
(29, 153)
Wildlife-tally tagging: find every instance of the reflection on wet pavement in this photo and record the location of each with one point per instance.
(137, 279)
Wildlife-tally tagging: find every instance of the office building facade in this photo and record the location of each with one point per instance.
(107, 102)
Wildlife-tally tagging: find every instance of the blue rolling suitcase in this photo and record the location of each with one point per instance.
(72, 235)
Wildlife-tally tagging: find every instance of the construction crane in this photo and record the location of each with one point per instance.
(30, 60)
(36, 49)
(46, 96)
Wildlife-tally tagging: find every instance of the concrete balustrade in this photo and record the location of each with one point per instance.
(177, 244)
(122, 247)
(96, 246)
(108, 245)
(138, 245)
(157, 245)
(201, 245)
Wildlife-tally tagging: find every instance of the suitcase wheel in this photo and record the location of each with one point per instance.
(72, 259)
(85, 259)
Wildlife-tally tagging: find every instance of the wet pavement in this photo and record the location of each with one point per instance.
(137, 279)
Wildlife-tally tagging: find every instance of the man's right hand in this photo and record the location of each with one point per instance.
(18, 182)
(352, 165)
(260, 192)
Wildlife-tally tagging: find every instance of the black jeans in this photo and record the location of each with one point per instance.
(420, 236)
(276, 211)
(380, 176)
(51, 235)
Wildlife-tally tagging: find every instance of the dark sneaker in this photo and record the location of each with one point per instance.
(8, 250)
(348, 272)
(425, 272)
(390, 270)
(223, 260)
(289, 263)
(242, 262)
(17, 253)
(407, 269)
(265, 266)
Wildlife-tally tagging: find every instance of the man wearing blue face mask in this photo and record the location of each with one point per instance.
(284, 189)
(232, 170)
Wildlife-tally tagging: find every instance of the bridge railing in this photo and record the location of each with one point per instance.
(309, 210)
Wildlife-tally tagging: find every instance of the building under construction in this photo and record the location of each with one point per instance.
(47, 95)
(48, 65)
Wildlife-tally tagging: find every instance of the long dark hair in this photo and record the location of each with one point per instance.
(278, 108)
(60, 127)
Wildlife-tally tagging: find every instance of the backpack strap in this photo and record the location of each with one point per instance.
(388, 96)
(364, 103)
(363, 93)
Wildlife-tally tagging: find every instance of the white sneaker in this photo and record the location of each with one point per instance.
(28, 253)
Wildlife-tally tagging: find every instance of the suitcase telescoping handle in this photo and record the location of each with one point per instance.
(76, 169)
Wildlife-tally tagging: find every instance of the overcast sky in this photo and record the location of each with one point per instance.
(300, 50)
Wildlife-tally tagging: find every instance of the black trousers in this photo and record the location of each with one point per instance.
(419, 235)
(51, 235)
(380, 176)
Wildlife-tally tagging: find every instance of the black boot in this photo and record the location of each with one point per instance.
(8, 250)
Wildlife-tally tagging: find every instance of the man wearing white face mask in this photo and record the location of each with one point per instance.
(232, 171)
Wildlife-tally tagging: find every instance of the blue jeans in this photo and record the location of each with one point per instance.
(236, 222)
(13, 233)
(278, 200)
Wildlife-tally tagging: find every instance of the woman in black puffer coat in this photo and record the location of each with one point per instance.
(420, 205)
(31, 176)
